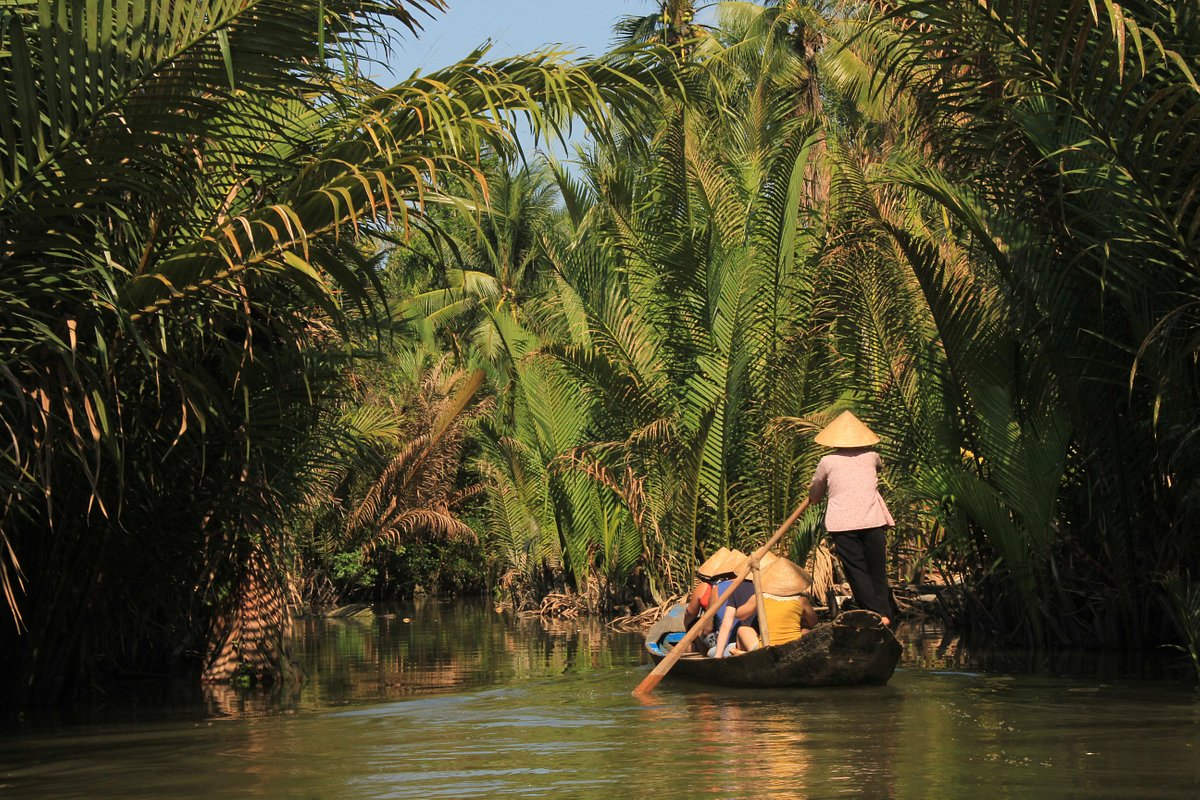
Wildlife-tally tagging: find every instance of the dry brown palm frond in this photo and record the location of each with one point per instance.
(466, 493)
(582, 459)
(12, 580)
(820, 567)
(660, 432)
(410, 520)
(423, 473)
(558, 605)
(368, 508)
(630, 487)
(800, 426)
(415, 493)
(639, 622)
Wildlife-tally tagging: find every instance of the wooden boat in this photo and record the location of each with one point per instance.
(855, 649)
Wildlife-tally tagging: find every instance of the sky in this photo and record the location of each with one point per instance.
(514, 26)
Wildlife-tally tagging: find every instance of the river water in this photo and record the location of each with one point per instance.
(451, 700)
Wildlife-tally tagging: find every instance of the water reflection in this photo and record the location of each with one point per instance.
(449, 700)
(833, 740)
(435, 647)
(928, 646)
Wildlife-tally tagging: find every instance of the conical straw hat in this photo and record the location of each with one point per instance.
(785, 579)
(734, 561)
(847, 431)
(766, 561)
(711, 568)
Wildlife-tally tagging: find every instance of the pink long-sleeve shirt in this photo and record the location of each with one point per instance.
(849, 477)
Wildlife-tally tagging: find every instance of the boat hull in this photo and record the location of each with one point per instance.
(855, 649)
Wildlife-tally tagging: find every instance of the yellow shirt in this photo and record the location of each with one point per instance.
(783, 617)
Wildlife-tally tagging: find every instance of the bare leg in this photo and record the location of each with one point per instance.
(747, 639)
(724, 633)
(698, 645)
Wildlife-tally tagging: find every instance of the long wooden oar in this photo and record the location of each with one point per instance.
(764, 631)
(685, 644)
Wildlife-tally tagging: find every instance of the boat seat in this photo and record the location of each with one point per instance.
(667, 642)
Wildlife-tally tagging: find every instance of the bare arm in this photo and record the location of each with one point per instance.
(692, 612)
(746, 610)
(820, 482)
(723, 634)
(808, 614)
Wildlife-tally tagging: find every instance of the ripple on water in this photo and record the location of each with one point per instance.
(536, 714)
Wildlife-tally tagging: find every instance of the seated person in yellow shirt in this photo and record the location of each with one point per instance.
(786, 609)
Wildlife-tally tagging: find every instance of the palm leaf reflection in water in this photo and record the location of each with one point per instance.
(459, 702)
(434, 647)
(563, 722)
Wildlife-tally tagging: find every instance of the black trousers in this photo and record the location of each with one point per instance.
(863, 554)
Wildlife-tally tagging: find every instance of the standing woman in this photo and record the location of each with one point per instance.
(856, 516)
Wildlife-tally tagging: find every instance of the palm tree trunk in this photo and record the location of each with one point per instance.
(250, 638)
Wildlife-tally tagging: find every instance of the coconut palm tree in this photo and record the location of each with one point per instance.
(715, 305)
(672, 23)
(185, 190)
(687, 283)
(1066, 150)
(688, 301)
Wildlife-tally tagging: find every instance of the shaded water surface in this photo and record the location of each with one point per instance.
(452, 700)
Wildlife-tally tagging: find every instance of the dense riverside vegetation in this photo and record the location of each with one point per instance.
(275, 334)
(190, 196)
